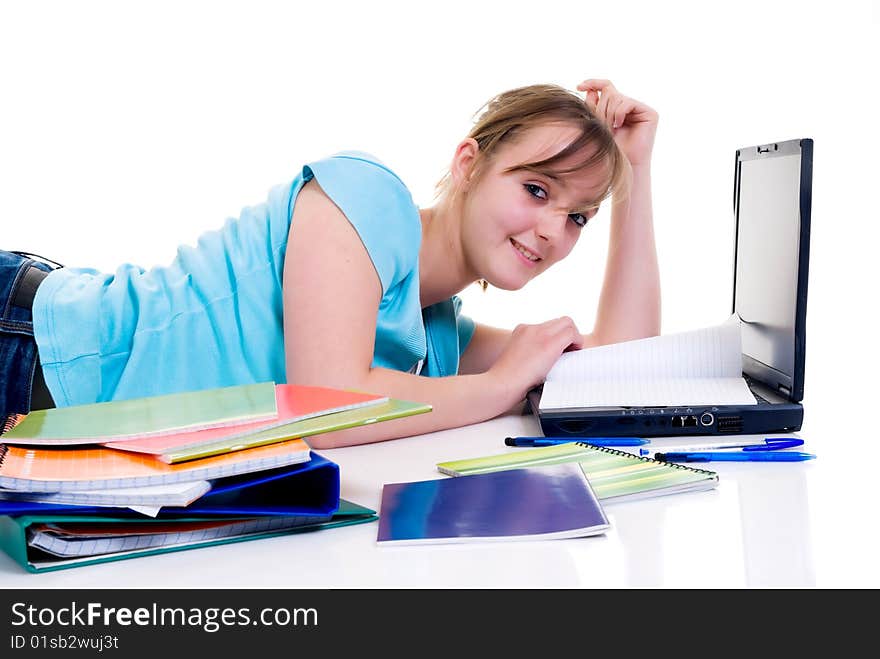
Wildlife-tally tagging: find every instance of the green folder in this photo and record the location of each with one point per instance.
(14, 532)
(145, 417)
(393, 409)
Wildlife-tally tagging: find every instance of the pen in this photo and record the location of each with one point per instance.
(736, 456)
(594, 441)
(768, 445)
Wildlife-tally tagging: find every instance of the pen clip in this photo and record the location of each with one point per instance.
(774, 444)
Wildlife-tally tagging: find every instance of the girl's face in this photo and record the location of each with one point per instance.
(518, 224)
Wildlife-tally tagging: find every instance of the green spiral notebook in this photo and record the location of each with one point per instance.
(614, 475)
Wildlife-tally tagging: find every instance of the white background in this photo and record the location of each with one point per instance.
(127, 129)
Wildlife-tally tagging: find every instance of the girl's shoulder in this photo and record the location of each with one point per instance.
(356, 161)
(378, 205)
(361, 177)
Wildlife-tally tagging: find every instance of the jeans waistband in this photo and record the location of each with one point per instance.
(27, 287)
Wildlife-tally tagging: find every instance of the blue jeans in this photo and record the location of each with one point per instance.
(18, 350)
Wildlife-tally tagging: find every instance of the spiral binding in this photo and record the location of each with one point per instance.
(9, 422)
(3, 451)
(674, 465)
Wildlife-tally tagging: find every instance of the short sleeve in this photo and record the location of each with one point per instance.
(379, 207)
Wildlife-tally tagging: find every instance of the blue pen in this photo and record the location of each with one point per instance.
(594, 441)
(770, 444)
(736, 456)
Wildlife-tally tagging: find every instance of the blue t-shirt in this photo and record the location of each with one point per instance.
(213, 317)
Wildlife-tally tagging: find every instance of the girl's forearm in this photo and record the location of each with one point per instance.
(456, 400)
(629, 304)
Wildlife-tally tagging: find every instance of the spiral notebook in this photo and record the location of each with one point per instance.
(73, 538)
(614, 475)
(74, 469)
(172, 494)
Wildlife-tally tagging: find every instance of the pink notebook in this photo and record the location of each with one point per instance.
(294, 403)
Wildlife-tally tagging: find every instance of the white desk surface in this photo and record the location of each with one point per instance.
(810, 524)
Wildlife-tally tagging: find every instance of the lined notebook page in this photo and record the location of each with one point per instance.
(68, 470)
(172, 494)
(702, 367)
(54, 540)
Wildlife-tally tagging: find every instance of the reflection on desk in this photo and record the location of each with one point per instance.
(776, 529)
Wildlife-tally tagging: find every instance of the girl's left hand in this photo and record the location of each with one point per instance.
(632, 123)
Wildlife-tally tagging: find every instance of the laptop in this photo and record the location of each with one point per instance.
(772, 197)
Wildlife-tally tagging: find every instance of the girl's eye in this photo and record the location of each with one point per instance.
(579, 218)
(535, 190)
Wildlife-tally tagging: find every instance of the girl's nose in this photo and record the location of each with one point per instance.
(551, 225)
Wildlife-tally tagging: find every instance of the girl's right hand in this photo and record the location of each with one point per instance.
(632, 123)
(530, 354)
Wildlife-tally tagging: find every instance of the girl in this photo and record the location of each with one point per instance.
(340, 280)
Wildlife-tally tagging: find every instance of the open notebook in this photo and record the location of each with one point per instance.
(702, 367)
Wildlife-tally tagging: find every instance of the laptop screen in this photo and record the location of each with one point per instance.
(772, 235)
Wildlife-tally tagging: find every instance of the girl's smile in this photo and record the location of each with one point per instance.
(529, 257)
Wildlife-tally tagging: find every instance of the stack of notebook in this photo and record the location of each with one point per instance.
(93, 483)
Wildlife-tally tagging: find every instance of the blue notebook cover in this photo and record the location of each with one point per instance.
(538, 503)
(307, 488)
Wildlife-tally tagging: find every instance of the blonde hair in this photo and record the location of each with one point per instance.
(508, 115)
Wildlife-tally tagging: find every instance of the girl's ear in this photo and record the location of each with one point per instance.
(463, 162)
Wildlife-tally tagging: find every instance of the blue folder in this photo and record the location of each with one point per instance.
(307, 488)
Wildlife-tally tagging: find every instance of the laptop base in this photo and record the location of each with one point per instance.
(669, 421)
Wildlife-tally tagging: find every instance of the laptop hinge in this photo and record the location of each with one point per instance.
(786, 391)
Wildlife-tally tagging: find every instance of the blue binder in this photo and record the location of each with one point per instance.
(307, 488)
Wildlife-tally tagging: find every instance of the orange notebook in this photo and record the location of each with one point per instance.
(293, 402)
(70, 469)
